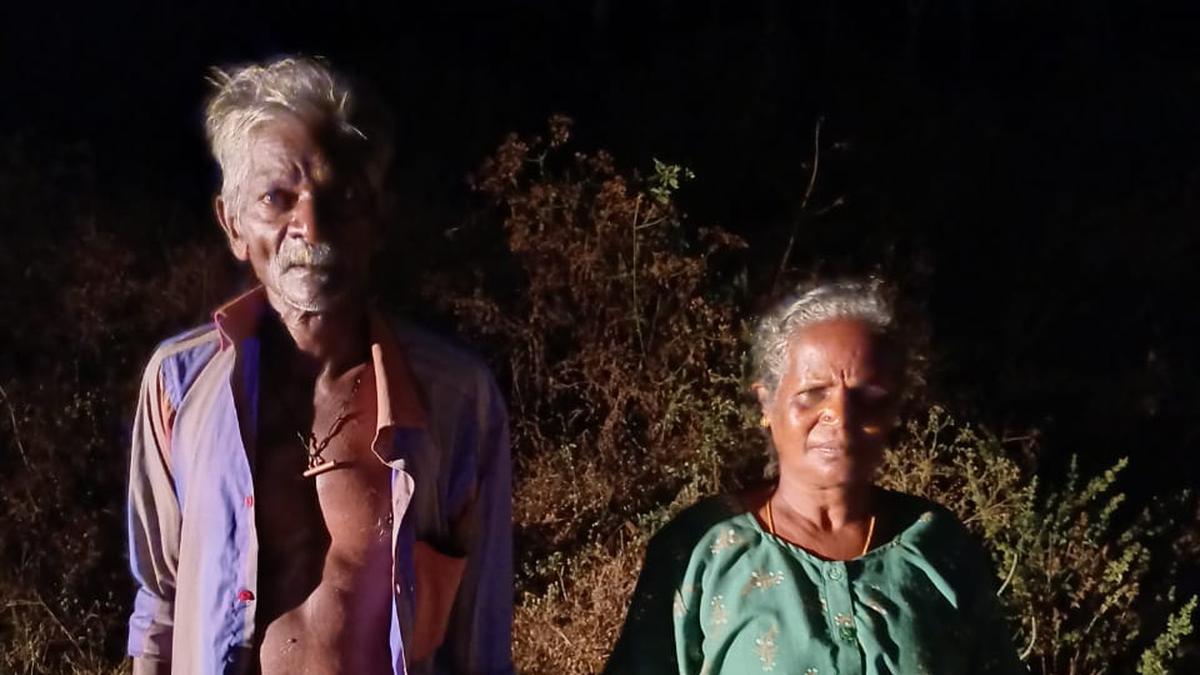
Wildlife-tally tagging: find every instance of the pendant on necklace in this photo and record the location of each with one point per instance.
(320, 467)
(316, 463)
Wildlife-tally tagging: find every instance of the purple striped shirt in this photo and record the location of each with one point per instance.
(193, 546)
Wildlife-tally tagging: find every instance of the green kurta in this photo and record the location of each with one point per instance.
(718, 594)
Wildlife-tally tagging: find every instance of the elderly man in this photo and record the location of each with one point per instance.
(314, 487)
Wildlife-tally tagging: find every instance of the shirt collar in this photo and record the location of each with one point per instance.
(398, 402)
(237, 319)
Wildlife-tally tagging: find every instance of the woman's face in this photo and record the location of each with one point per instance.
(835, 404)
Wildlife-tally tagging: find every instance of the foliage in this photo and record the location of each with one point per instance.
(1076, 571)
(622, 351)
(1179, 626)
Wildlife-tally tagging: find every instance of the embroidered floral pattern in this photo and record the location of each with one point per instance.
(718, 617)
(765, 646)
(845, 627)
(761, 580)
(727, 539)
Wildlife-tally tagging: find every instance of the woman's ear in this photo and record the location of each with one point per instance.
(763, 395)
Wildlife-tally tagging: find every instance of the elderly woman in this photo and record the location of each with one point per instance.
(820, 571)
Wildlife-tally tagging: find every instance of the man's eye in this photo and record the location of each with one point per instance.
(279, 199)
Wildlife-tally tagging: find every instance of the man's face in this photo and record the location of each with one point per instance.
(305, 217)
(834, 405)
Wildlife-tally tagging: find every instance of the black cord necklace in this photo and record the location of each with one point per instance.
(314, 447)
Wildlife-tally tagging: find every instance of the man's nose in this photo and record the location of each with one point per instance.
(306, 217)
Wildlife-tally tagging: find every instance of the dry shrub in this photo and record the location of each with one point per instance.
(83, 307)
(624, 355)
(1077, 573)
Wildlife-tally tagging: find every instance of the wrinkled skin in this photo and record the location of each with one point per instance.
(304, 218)
(830, 416)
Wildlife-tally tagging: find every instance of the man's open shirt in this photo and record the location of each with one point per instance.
(193, 544)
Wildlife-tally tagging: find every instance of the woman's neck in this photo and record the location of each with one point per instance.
(823, 508)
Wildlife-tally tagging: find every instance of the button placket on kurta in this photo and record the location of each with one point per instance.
(839, 611)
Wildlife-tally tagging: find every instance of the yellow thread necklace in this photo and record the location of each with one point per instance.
(866, 544)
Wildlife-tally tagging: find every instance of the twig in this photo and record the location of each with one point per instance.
(637, 310)
(12, 416)
(808, 191)
(812, 175)
(1032, 639)
(562, 635)
(58, 622)
(1012, 568)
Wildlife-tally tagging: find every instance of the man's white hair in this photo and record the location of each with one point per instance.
(247, 96)
(858, 300)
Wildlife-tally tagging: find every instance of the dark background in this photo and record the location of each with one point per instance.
(1028, 169)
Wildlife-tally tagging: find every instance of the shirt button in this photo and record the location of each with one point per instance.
(834, 572)
(249, 500)
(245, 595)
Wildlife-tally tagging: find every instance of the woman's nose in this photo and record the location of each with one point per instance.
(834, 412)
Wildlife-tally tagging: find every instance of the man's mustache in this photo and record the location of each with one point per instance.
(298, 253)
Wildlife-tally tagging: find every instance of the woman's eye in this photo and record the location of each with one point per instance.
(809, 398)
(873, 394)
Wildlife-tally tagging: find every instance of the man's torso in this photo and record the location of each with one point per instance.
(325, 559)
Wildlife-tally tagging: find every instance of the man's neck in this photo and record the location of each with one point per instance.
(323, 345)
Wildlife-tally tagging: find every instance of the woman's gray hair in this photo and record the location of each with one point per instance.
(244, 97)
(863, 301)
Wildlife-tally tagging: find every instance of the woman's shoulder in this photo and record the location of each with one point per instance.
(913, 515)
(695, 525)
(932, 533)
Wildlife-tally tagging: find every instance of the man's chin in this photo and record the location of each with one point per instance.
(320, 301)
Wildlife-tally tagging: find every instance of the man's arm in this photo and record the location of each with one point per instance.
(144, 666)
(154, 523)
(479, 637)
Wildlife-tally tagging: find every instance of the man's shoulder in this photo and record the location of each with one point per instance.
(180, 358)
(440, 359)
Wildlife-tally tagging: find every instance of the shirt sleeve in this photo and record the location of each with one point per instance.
(153, 521)
(991, 652)
(659, 620)
(662, 633)
(994, 653)
(479, 637)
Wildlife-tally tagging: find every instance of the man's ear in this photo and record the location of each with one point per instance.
(226, 220)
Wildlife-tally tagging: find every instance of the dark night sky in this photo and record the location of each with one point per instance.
(1035, 168)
